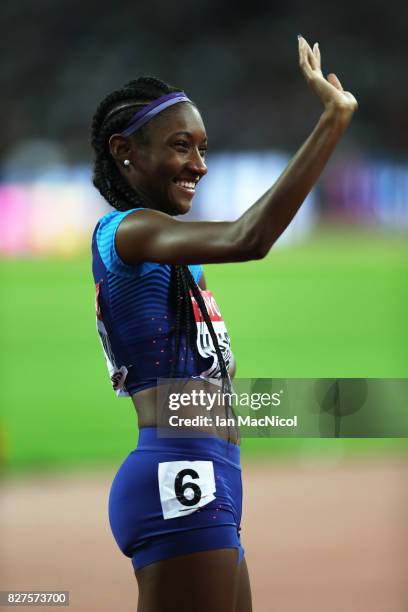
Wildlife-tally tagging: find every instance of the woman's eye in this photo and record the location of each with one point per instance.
(181, 143)
(184, 145)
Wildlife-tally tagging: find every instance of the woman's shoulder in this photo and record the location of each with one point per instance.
(115, 217)
(106, 229)
(107, 226)
(104, 241)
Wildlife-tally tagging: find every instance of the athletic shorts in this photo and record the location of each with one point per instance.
(175, 496)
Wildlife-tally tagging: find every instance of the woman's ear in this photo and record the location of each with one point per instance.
(119, 148)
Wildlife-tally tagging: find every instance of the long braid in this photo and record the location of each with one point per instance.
(226, 386)
(188, 318)
(192, 285)
(184, 315)
(180, 305)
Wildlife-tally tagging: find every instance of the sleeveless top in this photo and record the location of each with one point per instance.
(135, 317)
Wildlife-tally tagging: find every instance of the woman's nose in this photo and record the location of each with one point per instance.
(197, 163)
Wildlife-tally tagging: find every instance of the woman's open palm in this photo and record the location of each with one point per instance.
(330, 90)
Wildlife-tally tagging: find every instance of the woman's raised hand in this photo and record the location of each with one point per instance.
(330, 90)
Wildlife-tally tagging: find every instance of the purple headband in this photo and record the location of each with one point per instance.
(152, 109)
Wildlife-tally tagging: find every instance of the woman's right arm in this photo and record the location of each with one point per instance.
(150, 235)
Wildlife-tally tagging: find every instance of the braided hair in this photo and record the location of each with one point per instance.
(113, 115)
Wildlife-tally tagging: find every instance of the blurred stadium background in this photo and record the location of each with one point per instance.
(329, 301)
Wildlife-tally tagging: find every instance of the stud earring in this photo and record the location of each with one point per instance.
(126, 162)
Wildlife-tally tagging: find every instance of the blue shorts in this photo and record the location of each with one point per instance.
(174, 496)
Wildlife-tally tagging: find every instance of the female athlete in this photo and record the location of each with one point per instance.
(175, 503)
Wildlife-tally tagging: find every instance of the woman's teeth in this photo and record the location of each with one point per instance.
(186, 184)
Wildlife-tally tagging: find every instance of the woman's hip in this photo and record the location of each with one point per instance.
(167, 487)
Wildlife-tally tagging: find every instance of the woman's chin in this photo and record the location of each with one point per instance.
(181, 199)
(182, 207)
(186, 207)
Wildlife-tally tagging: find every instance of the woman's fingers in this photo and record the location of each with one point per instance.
(304, 60)
(316, 53)
(311, 58)
(333, 80)
(330, 90)
(310, 55)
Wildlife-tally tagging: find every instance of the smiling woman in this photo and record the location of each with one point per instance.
(175, 503)
(147, 326)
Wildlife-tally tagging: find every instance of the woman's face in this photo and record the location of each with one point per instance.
(166, 167)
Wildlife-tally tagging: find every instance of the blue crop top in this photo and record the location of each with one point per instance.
(135, 315)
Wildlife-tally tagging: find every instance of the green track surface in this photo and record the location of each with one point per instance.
(334, 307)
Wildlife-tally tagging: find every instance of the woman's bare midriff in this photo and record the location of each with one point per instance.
(158, 407)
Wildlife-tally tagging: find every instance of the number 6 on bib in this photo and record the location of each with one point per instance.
(185, 486)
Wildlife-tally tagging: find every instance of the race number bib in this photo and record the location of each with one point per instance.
(185, 486)
(205, 343)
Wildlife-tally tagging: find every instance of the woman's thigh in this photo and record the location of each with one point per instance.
(243, 602)
(204, 581)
